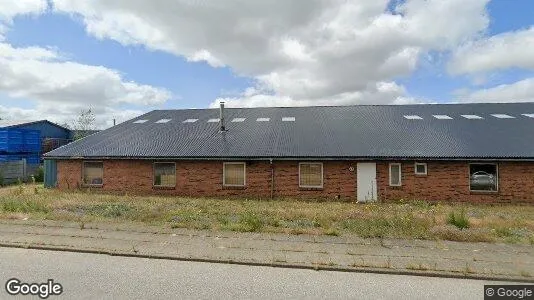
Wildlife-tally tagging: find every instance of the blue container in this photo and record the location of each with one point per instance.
(33, 159)
(11, 140)
(31, 141)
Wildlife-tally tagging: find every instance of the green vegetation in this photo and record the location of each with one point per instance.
(460, 220)
(406, 219)
(39, 177)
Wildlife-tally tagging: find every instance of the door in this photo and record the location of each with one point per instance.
(366, 182)
(50, 173)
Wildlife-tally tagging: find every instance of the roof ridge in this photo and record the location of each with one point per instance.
(356, 105)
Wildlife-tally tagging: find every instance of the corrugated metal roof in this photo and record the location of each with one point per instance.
(347, 132)
(16, 123)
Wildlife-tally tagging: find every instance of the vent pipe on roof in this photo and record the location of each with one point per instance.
(221, 118)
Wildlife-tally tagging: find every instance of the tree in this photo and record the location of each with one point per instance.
(84, 124)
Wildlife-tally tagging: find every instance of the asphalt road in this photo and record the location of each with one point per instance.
(90, 276)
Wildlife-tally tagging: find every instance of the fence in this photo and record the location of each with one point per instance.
(13, 171)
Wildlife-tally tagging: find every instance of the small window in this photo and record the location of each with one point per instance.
(442, 117)
(263, 119)
(472, 117)
(190, 121)
(164, 174)
(214, 120)
(395, 175)
(238, 120)
(93, 173)
(503, 116)
(140, 121)
(483, 177)
(420, 168)
(163, 121)
(413, 117)
(288, 119)
(311, 175)
(234, 174)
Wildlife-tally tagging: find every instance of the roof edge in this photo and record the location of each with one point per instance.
(288, 158)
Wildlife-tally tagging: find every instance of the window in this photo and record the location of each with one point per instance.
(472, 117)
(93, 173)
(413, 117)
(234, 174)
(442, 117)
(420, 169)
(311, 175)
(483, 177)
(395, 175)
(164, 174)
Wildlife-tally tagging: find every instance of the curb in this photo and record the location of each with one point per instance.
(276, 265)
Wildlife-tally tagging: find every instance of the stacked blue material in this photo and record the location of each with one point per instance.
(11, 140)
(17, 144)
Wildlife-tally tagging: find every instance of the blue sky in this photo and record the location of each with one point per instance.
(291, 68)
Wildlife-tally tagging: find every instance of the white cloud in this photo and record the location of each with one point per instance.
(205, 55)
(104, 116)
(380, 93)
(520, 91)
(11, 8)
(62, 88)
(502, 51)
(302, 51)
(31, 73)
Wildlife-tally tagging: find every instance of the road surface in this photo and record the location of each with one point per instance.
(91, 276)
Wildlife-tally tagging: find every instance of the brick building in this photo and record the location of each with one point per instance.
(453, 152)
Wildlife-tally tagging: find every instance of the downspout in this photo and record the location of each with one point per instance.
(272, 178)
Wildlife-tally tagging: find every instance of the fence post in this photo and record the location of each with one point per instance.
(24, 170)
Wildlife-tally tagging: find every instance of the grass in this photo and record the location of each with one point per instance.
(458, 219)
(410, 220)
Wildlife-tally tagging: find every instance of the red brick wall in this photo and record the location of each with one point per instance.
(204, 178)
(447, 181)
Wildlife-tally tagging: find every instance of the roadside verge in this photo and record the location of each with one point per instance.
(502, 262)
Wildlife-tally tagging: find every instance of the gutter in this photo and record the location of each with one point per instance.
(291, 158)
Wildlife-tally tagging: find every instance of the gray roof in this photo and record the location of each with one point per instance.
(17, 123)
(333, 132)
(13, 123)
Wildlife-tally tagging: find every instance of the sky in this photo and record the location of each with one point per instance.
(123, 58)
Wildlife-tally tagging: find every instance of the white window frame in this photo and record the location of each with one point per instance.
(420, 164)
(154, 174)
(496, 174)
(322, 175)
(244, 173)
(400, 174)
(83, 173)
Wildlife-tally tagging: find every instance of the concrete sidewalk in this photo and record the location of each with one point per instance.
(344, 253)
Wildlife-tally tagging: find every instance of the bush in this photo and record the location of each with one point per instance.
(460, 220)
(1, 178)
(251, 222)
(39, 177)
